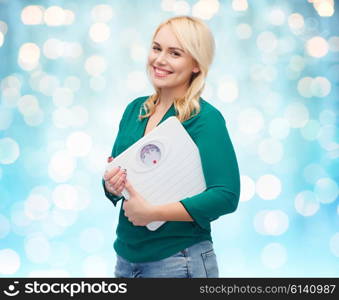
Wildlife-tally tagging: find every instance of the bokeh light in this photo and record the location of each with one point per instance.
(247, 188)
(181, 8)
(271, 222)
(63, 97)
(32, 15)
(239, 5)
(95, 65)
(306, 203)
(102, 13)
(36, 207)
(10, 151)
(254, 121)
(61, 166)
(317, 46)
(64, 218)
(267, 41)
(54, 16)
(228, 90)
(204, 9)
(244, 31)
(29, 55)
(270, 151)
(79, 143)
(313, 172)
(327, 117)
(274, 256)
(65, 196)
(297, 114)
(99, 32)
(311, 130)
(277, 17)
(37, 248)
(325, 8)
(326, 190)
(73, 83)
(3, 27)
(296, 23)
(268, 187)
(53, 48)
(9, 262)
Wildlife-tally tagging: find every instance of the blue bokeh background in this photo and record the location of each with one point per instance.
(69, 68)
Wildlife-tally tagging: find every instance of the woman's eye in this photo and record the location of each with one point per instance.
(157, 48)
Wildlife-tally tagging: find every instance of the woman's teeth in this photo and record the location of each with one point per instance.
(161, 73)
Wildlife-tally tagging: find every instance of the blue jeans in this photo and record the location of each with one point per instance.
(198, 260)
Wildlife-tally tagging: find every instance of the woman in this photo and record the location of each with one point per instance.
(182, 51)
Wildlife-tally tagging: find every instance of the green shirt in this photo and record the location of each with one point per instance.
(208, 131)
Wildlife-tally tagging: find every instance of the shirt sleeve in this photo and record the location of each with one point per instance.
(114, 198)
(221, 172)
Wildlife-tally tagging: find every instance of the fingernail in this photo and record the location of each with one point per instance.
(109, 159)
(124, 170)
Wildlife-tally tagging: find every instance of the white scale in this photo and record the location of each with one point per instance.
(163, 166)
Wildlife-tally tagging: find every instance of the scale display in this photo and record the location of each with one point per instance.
(150, 155)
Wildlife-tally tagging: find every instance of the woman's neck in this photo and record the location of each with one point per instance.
(166, 98)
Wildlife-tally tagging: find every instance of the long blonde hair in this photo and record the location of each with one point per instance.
(196, 38)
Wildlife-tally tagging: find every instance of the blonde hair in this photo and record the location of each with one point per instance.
(196, 38)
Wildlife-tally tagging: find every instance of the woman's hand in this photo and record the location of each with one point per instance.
(137, 209)
(115, 179)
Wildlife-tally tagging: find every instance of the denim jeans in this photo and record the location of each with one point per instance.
(198, 260)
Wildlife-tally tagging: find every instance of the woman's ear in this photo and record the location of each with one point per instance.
(196, 70)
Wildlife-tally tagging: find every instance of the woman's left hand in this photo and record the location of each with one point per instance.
(137, 209)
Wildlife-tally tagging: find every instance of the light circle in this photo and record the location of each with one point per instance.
(326, 190)
(306, 203)
(274, 256)
(9, 261)
(9, 151)
(268, 187)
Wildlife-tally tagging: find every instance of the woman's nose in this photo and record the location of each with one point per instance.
(161, 58)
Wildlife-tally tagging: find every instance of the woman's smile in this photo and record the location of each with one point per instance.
(161, 73)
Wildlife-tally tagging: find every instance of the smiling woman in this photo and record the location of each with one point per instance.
(169, 62)
(181, 53)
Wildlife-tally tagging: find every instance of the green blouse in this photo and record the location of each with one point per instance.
(208, 131)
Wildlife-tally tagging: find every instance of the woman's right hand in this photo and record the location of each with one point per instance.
(115, 179)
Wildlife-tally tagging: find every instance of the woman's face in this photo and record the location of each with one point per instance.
(170, 67)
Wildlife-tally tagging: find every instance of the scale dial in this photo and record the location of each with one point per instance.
(150, 155)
